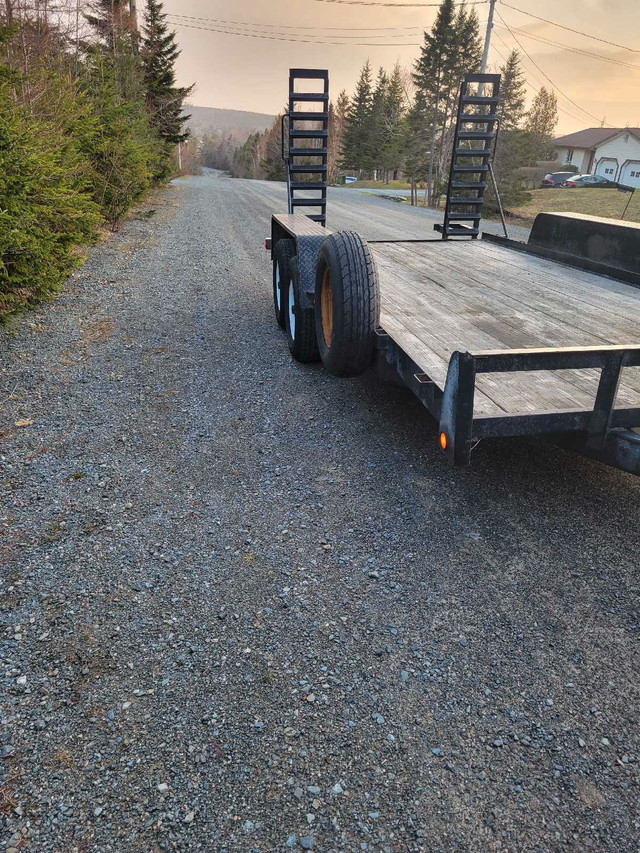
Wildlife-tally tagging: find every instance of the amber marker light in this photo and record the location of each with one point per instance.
(443, 440)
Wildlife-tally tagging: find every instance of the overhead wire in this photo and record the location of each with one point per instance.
(398, 5)
(572, 49)
(288, 26)
(288, 38)
(570, 29)
(546, 76)
(563, 109)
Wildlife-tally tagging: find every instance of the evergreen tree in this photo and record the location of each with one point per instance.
(112, 21)
(450, 50)
(164, 99)
(377, 119)
(356, 145)
(394, 124)
(512, 93)
(540, 123)
(337, 124)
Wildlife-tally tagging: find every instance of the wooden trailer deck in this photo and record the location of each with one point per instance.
(474, 296)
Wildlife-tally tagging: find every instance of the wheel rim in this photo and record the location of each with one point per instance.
(326, 307)
(278, 294)
(292, 316)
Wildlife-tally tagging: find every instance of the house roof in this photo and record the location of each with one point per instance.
(594, 136)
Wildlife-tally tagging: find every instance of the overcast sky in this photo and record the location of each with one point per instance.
(243, 73)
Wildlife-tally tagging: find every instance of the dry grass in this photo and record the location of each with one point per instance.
(609, 203)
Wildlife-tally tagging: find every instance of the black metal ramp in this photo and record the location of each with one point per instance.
(473, 144)
(307, 151)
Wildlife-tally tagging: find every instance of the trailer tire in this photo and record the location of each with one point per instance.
(283, 252)
(347, 310)
(300, 322)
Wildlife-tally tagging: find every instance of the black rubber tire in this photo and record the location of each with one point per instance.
(353, 299)
(284, 250)
(302, 340)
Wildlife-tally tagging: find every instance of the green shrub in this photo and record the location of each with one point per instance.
(45, 209)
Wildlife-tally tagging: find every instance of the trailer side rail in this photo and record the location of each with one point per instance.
(459, 427)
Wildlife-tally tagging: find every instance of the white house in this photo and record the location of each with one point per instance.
(613, 152)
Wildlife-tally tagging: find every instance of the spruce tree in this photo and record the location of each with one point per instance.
(356, 146)
(159, 53)
(394, 124)
(512, 93)
(112, 21)
(540, 123)
(377, 120)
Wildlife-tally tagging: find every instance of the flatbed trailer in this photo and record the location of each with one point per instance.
(493, 340)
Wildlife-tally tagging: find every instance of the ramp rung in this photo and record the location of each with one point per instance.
(456, 168)
(309, 73)
(307, 152)
(308, 202)
(307, 134)
(468, 185)
(473, 134)
(317, 97)
(308, 185)
(475, 117)
(312, 168)
(309, 116)
(472, 152)
(465, 201)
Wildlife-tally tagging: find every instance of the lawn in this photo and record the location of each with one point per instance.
(609, 203)
(606, 202)
(380, 185)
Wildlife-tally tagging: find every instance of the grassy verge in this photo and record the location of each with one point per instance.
(380, 185)
(609, 203)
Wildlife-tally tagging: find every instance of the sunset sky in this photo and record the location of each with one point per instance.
(246, 73)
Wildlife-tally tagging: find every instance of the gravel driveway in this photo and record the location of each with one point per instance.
(249, 607)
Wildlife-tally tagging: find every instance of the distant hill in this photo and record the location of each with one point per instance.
(236, 123)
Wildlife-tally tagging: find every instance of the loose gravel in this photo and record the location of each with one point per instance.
(249, 607)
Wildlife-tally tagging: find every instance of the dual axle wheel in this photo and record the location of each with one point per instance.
(339, 327)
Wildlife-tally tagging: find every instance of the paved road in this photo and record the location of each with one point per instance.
(249, 607)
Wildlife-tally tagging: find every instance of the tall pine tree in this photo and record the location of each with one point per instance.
(356, 147)
(540, 123)
(164, 99)
(450, 50)
(512, 93)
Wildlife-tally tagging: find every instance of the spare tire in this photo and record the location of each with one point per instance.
(347, 309)
(284, 250)
(301, 327)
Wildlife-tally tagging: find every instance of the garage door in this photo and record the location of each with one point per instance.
(607, 168)
(630, 174)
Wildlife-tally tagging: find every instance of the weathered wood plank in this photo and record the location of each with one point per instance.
(471, 296)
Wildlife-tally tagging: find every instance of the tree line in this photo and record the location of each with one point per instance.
(401, 122)
(90, 115)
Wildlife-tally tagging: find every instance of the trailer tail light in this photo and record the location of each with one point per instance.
(267, 244)
(443, 440)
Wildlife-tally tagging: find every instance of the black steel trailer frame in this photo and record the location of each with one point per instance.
(603, 432)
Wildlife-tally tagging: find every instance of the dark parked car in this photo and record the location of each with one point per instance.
(588, 181)
(555, 179)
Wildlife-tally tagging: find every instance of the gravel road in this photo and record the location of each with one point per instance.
(249, 607)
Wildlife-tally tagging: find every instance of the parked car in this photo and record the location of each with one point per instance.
(555, 179)
(588, 181)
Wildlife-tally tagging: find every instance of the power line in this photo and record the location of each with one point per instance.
(546, 76)
(575, 49)
(288, 38)
(570, 29)
(294, 35)
(288, 26)
(573, 115)
(398, 5)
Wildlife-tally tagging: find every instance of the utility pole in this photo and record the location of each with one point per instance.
(487, 38)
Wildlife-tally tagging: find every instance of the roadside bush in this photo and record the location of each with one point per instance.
(45, 206)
